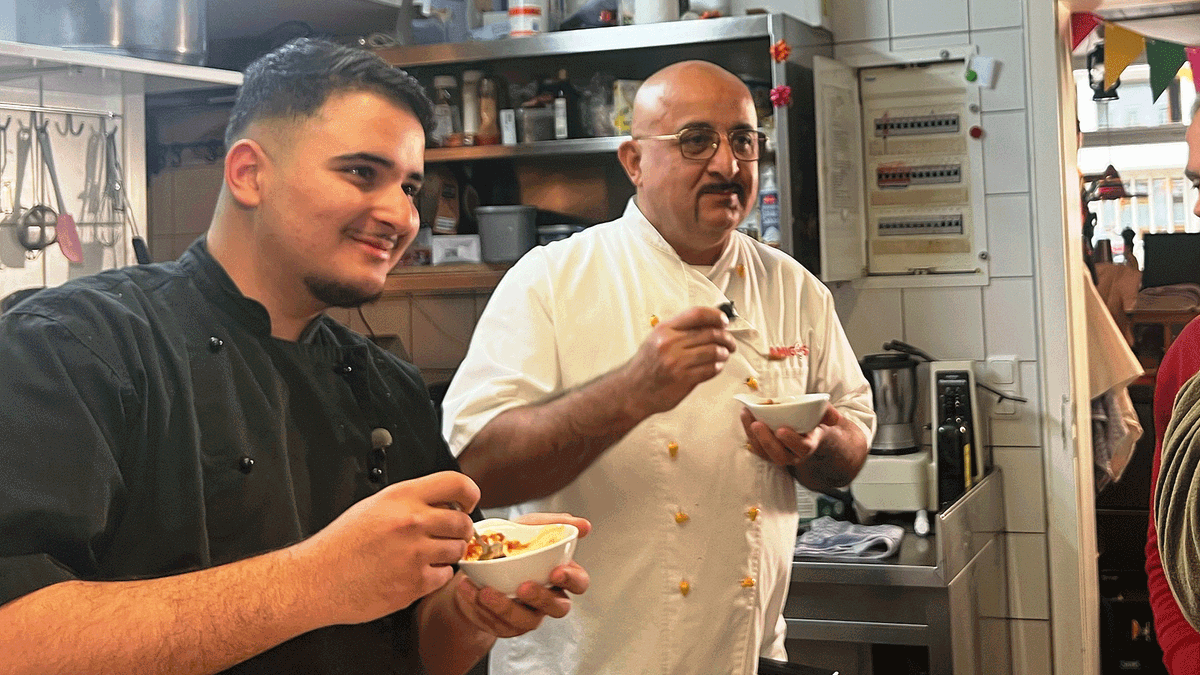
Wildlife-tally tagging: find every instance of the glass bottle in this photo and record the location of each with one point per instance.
(447, 121)
(489, 124)
(470, 105)
(768, 206)
(567, 121)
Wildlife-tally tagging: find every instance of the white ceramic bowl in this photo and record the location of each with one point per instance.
(802, 413)
(506, 574)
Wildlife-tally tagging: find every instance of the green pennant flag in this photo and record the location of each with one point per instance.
(1165, 59)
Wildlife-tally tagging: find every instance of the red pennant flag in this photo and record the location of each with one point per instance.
(1082, 24)
(1193, 57)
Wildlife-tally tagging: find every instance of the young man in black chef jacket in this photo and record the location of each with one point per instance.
(201, 472)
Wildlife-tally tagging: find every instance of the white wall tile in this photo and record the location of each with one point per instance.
(946, 322)
(1008, 318)
(918, 17)
(1008, 48)
(935, 40)
(1024, 488)
(1010, 238)
(1005, 152)
(861, 20)
(1028, 576)
(870, 317)
(441, 329)
(993, 14)
(1030, 647)
(845, 50)
(1023, 428)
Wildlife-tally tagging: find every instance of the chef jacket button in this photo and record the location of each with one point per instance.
(343, 369)
(741, 270)
(215, 343)
(748, 582)
(752, 382)
(246, 464)
(653, 320)
(752, 513)
(376, 474)
(673, 449)
(684, 588)
(681, 517)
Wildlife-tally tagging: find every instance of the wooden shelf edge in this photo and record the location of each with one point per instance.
(444, 278)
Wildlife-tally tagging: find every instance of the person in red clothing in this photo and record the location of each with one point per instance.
(1179, 641)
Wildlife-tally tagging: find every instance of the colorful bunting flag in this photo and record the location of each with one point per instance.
(1121, 47)
(1165, 59)
(1082, 23)
(1193, 57)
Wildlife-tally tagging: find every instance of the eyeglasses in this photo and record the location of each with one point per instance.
(701, 143)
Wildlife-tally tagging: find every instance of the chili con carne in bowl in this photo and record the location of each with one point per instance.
(528, 553)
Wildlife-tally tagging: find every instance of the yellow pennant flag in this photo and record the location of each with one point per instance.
(1121, 47)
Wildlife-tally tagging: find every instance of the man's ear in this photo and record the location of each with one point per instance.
(244, 164)
(630, 156)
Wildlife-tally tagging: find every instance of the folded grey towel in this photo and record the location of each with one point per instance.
(829, 538)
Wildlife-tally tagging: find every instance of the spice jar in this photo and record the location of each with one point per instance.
(470, 107)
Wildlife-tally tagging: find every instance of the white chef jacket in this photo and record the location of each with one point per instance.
(691, 551)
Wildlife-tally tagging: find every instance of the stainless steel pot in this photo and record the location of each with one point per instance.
(163, 30)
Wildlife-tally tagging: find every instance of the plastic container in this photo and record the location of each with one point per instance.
(506, 232)
(537, 124)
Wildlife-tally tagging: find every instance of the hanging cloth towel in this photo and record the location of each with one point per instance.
(829, 538)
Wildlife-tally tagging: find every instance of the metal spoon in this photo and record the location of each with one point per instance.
(489, 550)
(727, 307)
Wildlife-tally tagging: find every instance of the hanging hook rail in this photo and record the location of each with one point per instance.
(86, 112)
(70, 127)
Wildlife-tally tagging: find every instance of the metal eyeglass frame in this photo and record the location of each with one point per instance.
(677, 137)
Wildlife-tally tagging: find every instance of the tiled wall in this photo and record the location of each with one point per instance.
(973, 322)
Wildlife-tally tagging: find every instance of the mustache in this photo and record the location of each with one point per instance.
(717, 188)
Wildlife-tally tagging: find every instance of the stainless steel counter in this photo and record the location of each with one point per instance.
(947, 592)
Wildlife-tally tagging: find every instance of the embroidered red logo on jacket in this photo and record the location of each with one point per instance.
(781, 353)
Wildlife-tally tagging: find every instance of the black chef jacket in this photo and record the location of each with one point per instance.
(150, 425)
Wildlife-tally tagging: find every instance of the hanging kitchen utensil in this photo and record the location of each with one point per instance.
(37, 227)
(68, 235)
(120, 203)
(4, 155)
(24, 145)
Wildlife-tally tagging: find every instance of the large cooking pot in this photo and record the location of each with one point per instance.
(163, 30)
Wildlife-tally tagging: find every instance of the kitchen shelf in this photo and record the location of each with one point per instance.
(574, 146)
(21, 60)
(443, 279)
(591, 40)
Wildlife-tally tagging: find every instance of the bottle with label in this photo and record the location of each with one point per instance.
(489, 122)
(470, 107)
(749, 225)
(567, 122)
(768, 206)
(447, 122)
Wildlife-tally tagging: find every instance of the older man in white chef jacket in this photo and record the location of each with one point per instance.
(600, 381)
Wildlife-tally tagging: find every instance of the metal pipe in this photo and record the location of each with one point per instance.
(58, 109)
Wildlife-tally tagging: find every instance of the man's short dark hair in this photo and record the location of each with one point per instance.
(295, 80)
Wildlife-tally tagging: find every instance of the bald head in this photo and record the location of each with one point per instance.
(657, 94)
(695, 199)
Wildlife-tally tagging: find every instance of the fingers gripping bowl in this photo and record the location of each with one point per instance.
(802, 413)
(541, 549)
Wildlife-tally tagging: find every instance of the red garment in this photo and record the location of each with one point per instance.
(1179, 641)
